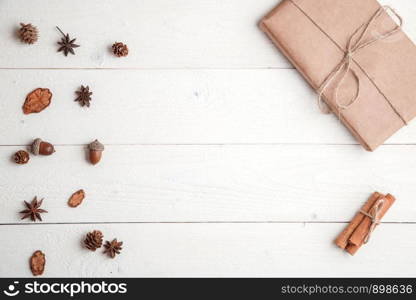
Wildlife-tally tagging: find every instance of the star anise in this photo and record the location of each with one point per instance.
(112, 248)
(67, 44)
(33, 210)
(84, 96)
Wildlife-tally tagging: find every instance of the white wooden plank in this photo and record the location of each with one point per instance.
(181, 33)
(289, 250)
(174, 34)
(210, 183)
(171, 107)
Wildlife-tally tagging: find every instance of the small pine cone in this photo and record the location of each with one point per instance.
(93, 240)
(120, 49)
(28, 33)
(21, 157)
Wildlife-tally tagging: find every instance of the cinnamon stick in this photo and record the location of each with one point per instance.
(352, 249)
(342, 239)
(355, 234)
(357, 238)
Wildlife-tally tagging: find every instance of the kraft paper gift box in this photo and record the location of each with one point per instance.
(355, 55)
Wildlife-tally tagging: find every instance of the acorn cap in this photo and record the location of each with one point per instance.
(36, 146)
(96, 146)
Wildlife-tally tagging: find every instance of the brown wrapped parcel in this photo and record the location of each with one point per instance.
(355, 55)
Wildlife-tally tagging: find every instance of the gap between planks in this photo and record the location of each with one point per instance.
(196, 222)
(153, 68)
(218, 144)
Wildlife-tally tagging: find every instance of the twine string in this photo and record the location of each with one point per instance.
(374, 215)
(345, 66)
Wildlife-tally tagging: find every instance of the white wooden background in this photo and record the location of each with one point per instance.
(217, 160)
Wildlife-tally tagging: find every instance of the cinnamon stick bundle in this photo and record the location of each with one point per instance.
(365, 221)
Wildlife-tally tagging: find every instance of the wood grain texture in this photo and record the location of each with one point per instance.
(211, 183)
(165, 250)
(172, 107)
(160, 34)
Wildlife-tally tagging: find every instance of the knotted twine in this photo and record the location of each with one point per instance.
(344, 67)
(374, 215)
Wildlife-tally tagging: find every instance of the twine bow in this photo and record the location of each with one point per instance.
(344, 67)
(374, 215)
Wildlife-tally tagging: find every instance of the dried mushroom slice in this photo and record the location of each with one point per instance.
(76, 198)
(37, 101)
(37, 263)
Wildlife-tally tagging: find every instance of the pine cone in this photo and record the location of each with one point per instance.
(120, 49)
(21, 157)
(28, 33)
(94, 240)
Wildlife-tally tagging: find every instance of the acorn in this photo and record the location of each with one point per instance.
(40, 147)
(96, 150)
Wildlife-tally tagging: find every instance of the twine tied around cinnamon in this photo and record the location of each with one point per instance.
(374, 215)
(344, 67)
